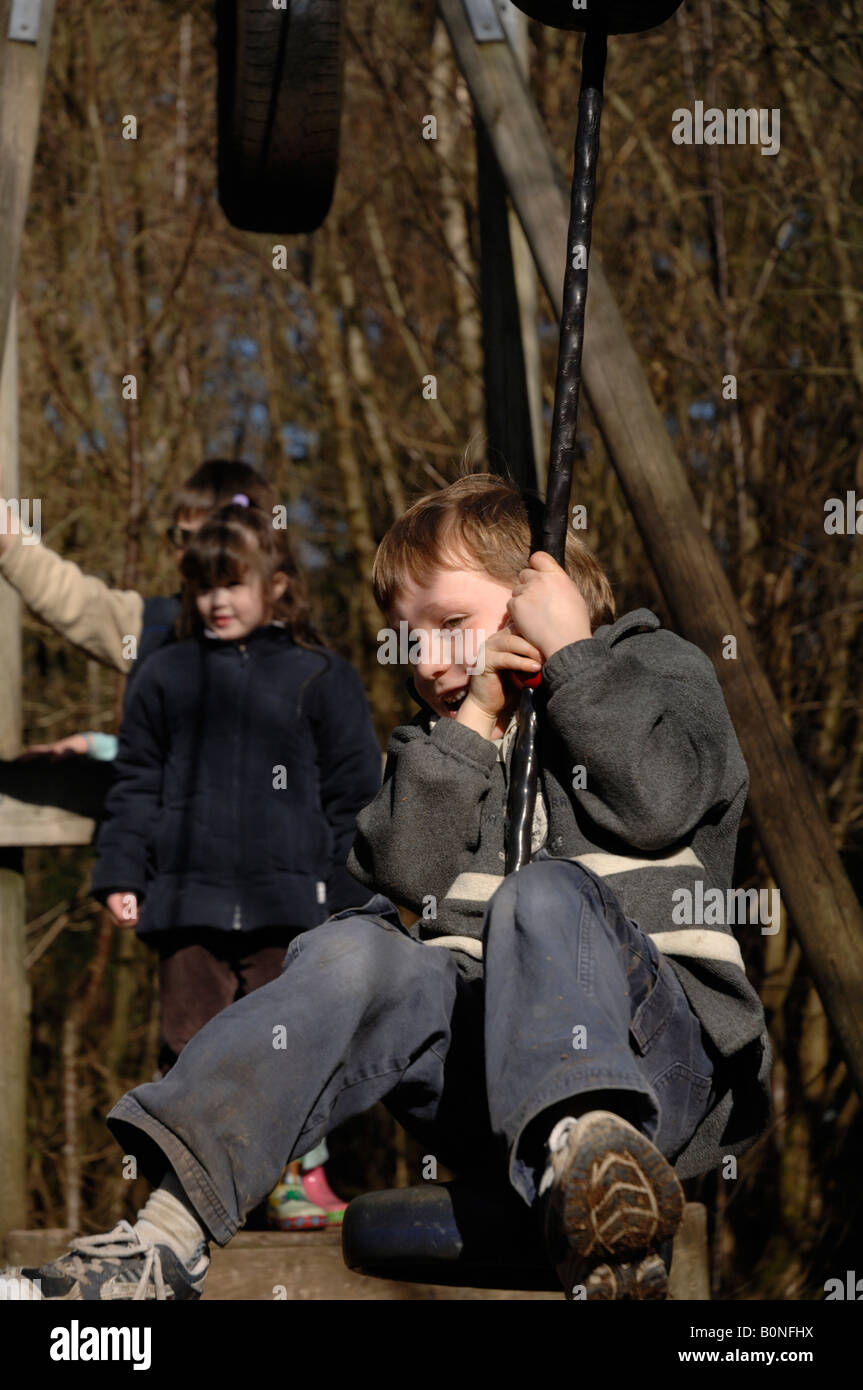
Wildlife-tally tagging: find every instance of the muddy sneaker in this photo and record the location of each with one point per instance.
(116, 1264)
(613, 1204)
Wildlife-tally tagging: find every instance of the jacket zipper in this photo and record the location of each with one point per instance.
(237, 923)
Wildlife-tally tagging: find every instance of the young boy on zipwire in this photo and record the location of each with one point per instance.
(556, 1029)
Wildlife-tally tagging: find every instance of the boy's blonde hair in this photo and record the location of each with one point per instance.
(479, 522)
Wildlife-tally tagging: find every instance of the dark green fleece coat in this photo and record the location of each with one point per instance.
(655, 811)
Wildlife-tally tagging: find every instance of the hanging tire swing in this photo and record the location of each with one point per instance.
(279, 110)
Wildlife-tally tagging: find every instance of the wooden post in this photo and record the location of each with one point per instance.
(794, 834)
(14, 987)
(22, 78)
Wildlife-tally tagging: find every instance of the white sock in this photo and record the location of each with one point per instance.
(556, 1140)
(168, 1218)
(315, 1158)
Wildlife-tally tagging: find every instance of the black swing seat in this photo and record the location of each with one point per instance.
(464, 1235)
(450, 1233)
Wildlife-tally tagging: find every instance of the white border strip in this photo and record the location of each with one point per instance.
(699, 942)
(608, 864)
(468, 944)
(473, 887)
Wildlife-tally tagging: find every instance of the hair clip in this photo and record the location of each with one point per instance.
(240, 499)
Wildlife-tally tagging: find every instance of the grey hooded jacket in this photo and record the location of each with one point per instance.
(644, 783)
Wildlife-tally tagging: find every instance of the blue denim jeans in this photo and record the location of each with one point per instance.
(575, 1000)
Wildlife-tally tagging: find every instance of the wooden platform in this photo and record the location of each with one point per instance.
(308, 1265)
(52, 803)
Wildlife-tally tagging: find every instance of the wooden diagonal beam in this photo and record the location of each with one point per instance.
(796, 838)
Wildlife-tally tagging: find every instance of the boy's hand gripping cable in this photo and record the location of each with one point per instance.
(522, 788)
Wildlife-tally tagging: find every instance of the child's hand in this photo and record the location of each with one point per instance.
(63, 748)
(546, 606)
(489, 694)
(123, 907)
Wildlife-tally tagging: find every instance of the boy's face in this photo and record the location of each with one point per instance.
(182, 531)
(454, 600)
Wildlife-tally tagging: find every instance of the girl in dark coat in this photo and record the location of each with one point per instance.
(246, 752)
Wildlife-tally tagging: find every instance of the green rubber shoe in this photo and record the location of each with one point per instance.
(288, 1207)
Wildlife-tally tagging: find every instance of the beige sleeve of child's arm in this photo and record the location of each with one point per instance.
(82, 608)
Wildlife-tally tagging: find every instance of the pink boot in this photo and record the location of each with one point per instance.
(318, 1190)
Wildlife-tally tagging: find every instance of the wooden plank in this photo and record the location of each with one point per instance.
(308, 1266)
(794, 834)
(258, 1265)
(689, 1279)
(27, 827)
(47, 802)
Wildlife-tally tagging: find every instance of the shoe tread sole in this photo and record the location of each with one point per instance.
(613, 1204)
